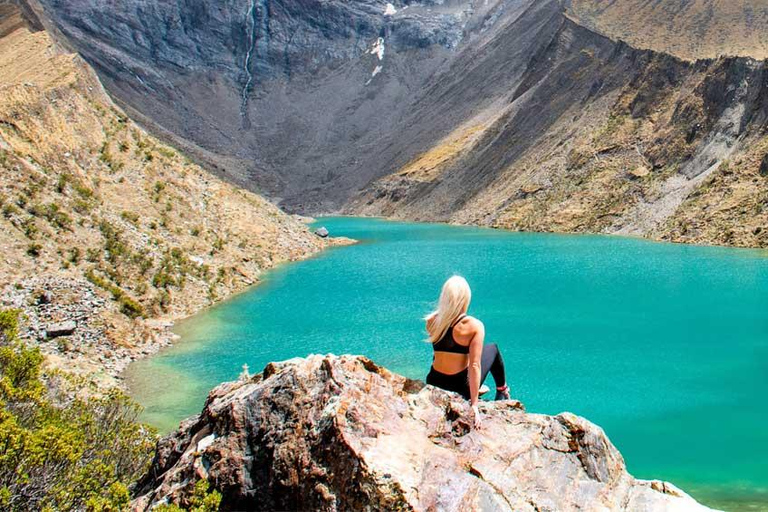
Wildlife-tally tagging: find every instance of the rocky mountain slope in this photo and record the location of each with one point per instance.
(105, 229)
(341, 433)
(511, 113)
(601, 137)
(698, 29)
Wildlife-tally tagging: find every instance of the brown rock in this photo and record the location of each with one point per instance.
(639, 172)
(341, 433)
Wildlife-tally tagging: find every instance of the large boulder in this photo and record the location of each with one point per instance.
(341, 433)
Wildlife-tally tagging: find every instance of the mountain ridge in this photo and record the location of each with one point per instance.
(340, 111)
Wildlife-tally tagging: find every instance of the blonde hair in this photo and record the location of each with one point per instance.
(454, 302)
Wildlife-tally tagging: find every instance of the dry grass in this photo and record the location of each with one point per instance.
(688, 29)
(429, 165)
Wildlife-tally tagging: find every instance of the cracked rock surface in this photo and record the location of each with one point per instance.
(341, 433)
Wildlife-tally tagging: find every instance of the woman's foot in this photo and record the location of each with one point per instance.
(502, 393)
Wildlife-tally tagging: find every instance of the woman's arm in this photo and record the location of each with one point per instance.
(475, 354)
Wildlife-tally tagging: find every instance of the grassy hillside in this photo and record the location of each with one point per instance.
(690, 29)
(103, 224)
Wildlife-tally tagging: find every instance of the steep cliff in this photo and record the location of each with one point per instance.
(103, 227)
(510, 113)
(341, 433)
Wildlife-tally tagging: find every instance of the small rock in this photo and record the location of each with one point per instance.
(45, 297)
(764, 166)
(640, 172)
(322, 232)
(60, 329)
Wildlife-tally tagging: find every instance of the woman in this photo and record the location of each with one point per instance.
(461, 361)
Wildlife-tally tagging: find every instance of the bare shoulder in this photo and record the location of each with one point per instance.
(469, 325)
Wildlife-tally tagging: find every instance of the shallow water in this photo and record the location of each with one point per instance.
(665, 346)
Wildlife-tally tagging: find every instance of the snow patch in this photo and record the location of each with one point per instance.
(390, 10)
(378, 48)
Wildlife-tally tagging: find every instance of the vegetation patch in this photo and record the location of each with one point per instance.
(61, 452)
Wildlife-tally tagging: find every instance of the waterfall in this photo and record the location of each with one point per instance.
(250, 27)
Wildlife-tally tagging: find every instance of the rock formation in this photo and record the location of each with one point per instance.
(341, 433)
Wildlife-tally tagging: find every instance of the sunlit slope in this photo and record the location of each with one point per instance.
(87, 194)
(690, 29)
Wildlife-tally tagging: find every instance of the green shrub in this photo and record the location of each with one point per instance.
(203, 499)
(34, 250)
(218, 245)
(142, 260)
(9, 210)
(74, 255)
(82, 206)
(29, 227)
(157, 189)
(55, 457)
(92, 255)
(56, 217)
(61, 184)
(131, 217)
(166, 152)
(113, 243)
(83, 191)
(130, 307)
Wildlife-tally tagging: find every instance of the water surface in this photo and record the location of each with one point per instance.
(665, 346)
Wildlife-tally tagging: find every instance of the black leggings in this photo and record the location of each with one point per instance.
(490, 362)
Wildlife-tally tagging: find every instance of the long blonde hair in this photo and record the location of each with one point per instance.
(454, 302)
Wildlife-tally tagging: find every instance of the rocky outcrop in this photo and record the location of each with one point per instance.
(341, 433)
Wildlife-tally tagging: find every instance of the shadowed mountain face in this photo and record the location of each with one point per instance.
(511, 113)
(305, 99)
(690, 29)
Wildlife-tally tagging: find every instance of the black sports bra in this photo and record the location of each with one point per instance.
(448, 344)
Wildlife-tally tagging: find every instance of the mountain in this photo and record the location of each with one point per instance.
(690, 29)
(520, 114)
(107, 234)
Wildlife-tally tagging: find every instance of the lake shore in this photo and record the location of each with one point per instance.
(615, 329)
(97, 343)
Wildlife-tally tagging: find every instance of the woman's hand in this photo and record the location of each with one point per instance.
(477, 420)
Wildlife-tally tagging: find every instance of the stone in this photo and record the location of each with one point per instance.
(764, 166)
(60, 329)
(639, 172)
(322, 232)
(334, 433)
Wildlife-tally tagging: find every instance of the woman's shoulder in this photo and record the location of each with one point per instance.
(470, 323)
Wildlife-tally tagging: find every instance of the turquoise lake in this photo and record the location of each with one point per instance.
(665, 346)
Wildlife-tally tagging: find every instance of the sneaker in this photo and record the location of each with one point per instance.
(503, 393)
